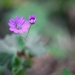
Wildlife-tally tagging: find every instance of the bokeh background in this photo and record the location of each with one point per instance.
(53, 32)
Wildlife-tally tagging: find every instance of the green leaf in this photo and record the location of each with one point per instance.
(18, 66)
(27, 63)
(5, 58)
(16, 61)
(66, 72)
(21, 43)
(19, 70)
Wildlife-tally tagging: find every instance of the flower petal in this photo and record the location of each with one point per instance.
(26, 25)
(25, 30)
(22, 20)
(21, 31)
(12, 21)
(32, 16)
(32, 21)
(11, 29)
(16, 31)
(11, 25)
(17, 19)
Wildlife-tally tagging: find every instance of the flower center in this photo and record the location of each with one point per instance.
(18, 26)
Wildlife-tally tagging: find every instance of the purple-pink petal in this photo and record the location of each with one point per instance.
(16, 31)
(12, 21)
(11, 25)
(11, 29)
(32, 16)
(17, 19)
(21, 31)
(22, 20)
(26, 25)
(32, 21)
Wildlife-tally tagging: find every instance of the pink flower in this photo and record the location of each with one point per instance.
(19, 25)
(32, 19)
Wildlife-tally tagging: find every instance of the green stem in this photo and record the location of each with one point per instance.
(27, 33)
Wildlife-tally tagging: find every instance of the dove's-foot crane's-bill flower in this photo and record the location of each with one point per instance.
(19, 25)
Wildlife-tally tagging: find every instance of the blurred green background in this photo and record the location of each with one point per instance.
(53, 31)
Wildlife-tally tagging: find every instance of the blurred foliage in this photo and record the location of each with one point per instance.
(66, 72)
(5, 58)
(5, 3)
(20, 42)
(20, 65)
(8, 51)
(18, 68)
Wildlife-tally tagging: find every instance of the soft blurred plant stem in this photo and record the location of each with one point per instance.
(27, 33)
